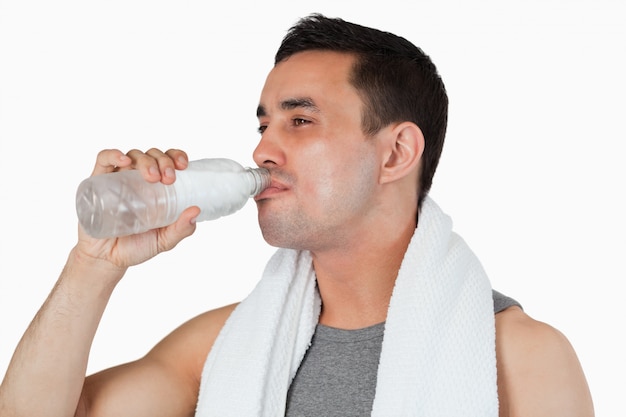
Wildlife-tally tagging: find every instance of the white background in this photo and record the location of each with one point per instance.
(532, 171)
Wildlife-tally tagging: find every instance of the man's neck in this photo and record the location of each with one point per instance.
(356, 283)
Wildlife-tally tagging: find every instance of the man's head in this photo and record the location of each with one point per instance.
(396, 80)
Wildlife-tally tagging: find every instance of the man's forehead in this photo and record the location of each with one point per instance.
(306, 80)
(313, 68)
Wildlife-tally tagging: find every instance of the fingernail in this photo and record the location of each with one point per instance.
(169, 172)
(153, 170)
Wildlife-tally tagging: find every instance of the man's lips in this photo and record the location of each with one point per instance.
(274, 188)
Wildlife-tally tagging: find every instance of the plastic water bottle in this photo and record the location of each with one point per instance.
(123, 203)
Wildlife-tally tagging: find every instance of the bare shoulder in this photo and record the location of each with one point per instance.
(539, 373)
(190, 344)
(165, 381)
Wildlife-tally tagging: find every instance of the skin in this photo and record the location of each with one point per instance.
(356, 215)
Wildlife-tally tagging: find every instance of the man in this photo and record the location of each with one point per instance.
(352, 122)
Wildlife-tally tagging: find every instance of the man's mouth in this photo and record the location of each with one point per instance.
(275, 187)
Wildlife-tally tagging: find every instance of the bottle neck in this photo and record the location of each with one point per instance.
(259, 180)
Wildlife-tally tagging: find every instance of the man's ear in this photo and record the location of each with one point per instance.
(404, 147)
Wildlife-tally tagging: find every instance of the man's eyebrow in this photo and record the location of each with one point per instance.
(294, 103)
(290, 104)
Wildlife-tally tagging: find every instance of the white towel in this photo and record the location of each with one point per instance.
(438, 353)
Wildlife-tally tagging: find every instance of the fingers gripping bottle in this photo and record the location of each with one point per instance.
(123, 203)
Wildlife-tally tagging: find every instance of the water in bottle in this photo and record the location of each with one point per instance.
(123, 203)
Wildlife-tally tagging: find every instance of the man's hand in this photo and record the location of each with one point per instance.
(126, 251)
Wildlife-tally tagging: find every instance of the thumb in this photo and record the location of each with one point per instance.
(184, 227)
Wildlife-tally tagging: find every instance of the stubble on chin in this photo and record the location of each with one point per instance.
(280, 229)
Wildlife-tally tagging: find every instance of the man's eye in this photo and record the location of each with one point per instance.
(300, 122)
(261, 129)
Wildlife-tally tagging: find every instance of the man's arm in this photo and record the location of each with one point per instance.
(46, 374)
(538, 371)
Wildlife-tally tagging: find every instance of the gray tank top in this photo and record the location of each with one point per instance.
(337, 376)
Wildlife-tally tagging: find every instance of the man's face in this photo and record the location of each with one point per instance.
(324, 169)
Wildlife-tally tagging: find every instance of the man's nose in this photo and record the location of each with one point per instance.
(269, 151)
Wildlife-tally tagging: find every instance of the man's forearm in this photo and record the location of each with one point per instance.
(47, 371)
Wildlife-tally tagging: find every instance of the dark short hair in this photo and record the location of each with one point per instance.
(397, 80)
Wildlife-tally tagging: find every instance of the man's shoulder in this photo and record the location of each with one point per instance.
(191, 342)
(538, 370)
